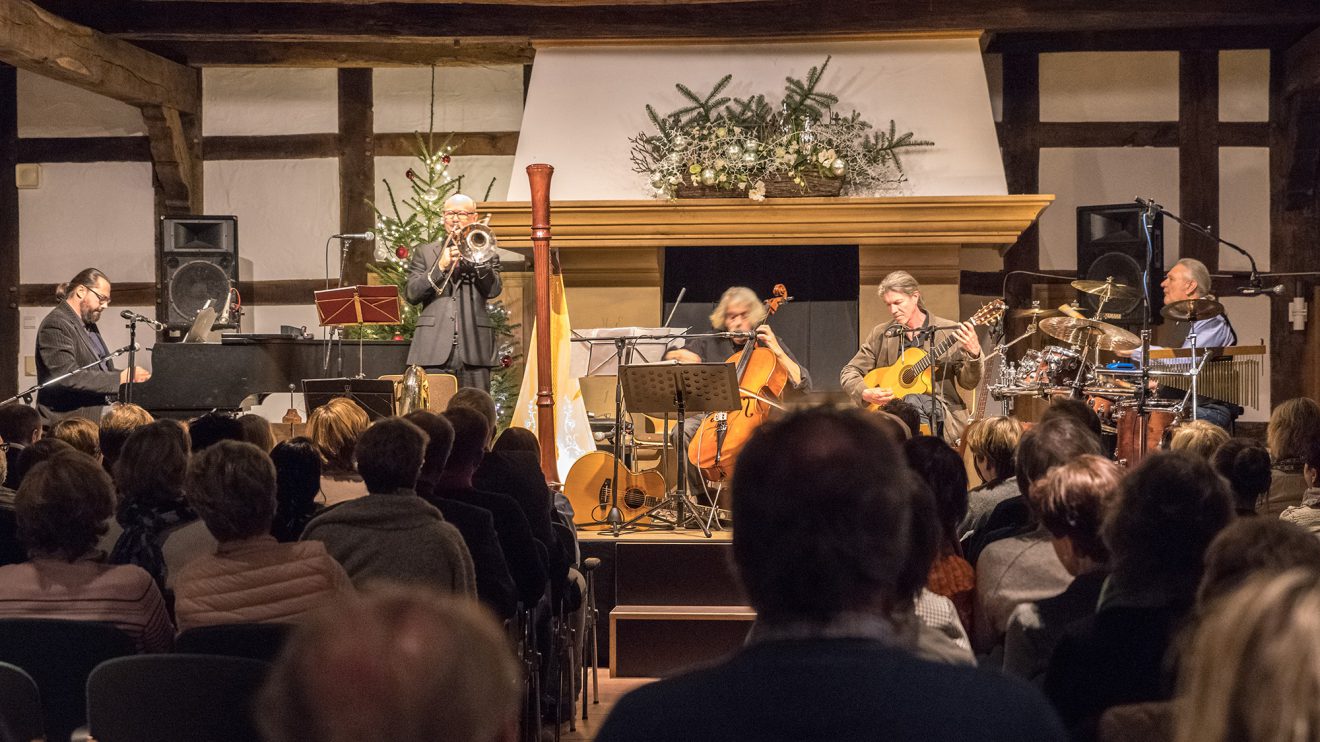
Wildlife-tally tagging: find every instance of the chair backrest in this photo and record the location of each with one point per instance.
(59, 655)
(256, 641)
(20, 704)
(171, 697)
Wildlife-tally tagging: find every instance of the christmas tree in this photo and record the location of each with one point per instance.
(416, 220)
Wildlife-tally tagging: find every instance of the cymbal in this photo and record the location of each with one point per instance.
(1192, 310)
(1034, 312)
(1106, 289)
(1090, 332)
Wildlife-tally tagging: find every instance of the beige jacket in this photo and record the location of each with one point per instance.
(954, 370)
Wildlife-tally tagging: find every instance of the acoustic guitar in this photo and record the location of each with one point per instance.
(911, 373)
(590, 485)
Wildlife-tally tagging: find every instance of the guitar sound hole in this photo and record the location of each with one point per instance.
(633, 497)
(907, 376)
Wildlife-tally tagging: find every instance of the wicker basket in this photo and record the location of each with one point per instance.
(777, 186)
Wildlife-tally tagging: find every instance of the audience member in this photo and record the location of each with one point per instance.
(904, 411)
(942, 469)
(20, 426)
(1024, 567)
(993, 442)
(213, 427)
(513, 467)
(62, 509)
(1167, 512)
(826, 659)
(1250, 547)
(1075, 409)
(1200, 437)
(397, 665)
(391, 533)
(1291, 425)
(522, 439)
(495, 585)
(1245, 463)
(81, 433)
(251, 578)
(525, 557)
(1307, 514)
(36, 453)
(1253, 670)
(480, 401)
(297, 482)
(1071, 501)
(335, 428)
(120, 419)
(257, 431)
(154, 528)
(11, 549)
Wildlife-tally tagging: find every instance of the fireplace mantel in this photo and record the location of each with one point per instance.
(899, 221)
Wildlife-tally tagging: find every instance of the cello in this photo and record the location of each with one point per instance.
(761, 381)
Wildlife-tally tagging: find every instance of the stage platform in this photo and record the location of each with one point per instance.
(667, 600)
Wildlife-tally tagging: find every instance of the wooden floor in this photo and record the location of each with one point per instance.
(611, 689)
(687, 535)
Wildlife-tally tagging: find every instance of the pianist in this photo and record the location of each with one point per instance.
(67, 339)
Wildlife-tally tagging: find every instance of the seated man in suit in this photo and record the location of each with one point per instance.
(832, 653)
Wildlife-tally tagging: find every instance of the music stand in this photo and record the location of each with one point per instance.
(679, 388)
(376, 396)
(359, 306)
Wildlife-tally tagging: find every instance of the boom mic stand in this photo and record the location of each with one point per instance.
(26, 394)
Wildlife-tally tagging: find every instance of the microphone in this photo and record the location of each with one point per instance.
(1276, 289)
(367, 236)
(895, 331)
(1149, 203)
(132, 316)
(135, 347)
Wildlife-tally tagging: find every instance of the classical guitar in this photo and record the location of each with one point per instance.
(911, 373)
(590, 485)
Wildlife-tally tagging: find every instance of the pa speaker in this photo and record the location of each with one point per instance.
(198, 262)
(1111, 244)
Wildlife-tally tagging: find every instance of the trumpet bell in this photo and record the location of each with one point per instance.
(412, 391)
(477, 242)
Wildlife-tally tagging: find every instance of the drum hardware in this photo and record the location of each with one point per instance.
(1106, 289)
(1192, 310)
(1089, 332)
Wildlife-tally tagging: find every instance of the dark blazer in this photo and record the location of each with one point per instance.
(495, 585)
(526, 559)
(454, 327)
(63, 344)
(833, 689)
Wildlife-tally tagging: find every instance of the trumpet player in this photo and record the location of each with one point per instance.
(453, 335)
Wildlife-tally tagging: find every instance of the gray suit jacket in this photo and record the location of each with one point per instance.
(452, 328)
(63, 344)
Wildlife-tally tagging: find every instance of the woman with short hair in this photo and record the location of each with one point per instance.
(334, 428)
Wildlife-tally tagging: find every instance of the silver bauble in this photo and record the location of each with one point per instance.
(657, 181)
(680, 142)
(751, 145)
(734, 151)
(749, 157)
(708, 176)
(838, 167)
(382, 252)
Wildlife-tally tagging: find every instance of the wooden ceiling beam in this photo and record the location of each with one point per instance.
(330, 52)
(38, 41)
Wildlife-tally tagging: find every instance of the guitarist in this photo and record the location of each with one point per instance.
(961, 365)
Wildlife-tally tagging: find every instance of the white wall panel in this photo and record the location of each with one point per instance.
(994, 77)
(50, 108)
(1250, 316)
(274, 100)
(1101, 175)
(1109, 86)
(286, 209)
(476, 171)
(1244, 206)
(466, 98)
(1244, 85)
(88, 214)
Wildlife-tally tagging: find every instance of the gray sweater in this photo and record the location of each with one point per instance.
(395, 537)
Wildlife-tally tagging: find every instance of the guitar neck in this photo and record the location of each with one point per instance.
(940, 349)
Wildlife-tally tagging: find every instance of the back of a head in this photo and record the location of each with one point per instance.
(297, 472)
(996, 440)
(904, 411)
(942, 469)
(389, 455)
(63, 505)
(470, 435)
(396, 665)
(518, 439)
(1252, 672)
(440, 440)
(480, 401)
(1291, 425)
(257, 431)
(1075, 409)
(1199, 437)
(1254, 546)
(79, 432)
(335, 427)
(43, 450)
(120, 419)
(1167, 512)
(824, 504)
(18, 423)
(1051, 443)
(1245, 463)
(212, 428)
(231, 485)
(1072, 500)
(151, 467)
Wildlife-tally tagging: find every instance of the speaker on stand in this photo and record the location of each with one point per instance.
(1111, 244)
(198, 263)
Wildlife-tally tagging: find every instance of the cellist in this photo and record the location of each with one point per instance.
(739, 310)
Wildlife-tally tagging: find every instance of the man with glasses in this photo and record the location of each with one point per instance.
(454, 334)
(67, 339)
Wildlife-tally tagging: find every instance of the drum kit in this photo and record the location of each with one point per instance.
(1072, 368)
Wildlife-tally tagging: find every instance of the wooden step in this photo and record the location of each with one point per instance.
(659, 640)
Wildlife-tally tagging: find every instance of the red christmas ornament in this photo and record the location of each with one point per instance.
(402, 252)
(410, 175)
(445, 159)
(506, 361)
(398, 336)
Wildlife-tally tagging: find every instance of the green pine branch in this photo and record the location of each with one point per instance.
(803, 99)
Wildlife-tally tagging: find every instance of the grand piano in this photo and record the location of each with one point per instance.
(190, 379)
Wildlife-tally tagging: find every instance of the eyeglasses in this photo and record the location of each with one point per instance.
(104, 299)
(4, 447)
(458, 213)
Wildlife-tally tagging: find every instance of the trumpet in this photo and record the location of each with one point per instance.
(476, 245)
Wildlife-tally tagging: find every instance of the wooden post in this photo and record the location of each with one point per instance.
(1198, 154)
(357, 168)
(9, 330)
(539, 177)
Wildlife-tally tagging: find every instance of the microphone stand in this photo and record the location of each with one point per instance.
(1154, 208)
(132, 360)
(1143, 386)
(26, 394)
